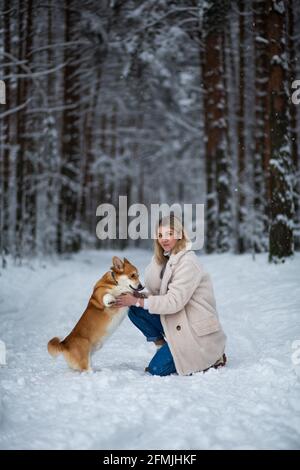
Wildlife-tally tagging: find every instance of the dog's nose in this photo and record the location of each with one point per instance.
(140, 287)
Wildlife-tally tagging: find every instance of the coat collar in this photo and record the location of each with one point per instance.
(169, 268)
(175, 258)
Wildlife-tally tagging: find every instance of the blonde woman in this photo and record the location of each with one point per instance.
(180, 314)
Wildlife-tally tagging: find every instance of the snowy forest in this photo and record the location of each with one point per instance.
(163, 102)
(185, 101)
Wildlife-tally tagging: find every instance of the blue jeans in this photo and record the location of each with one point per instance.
(150, 325)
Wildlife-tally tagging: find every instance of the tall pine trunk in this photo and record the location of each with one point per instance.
(261, 130)
(29, 228)
(214, 23)
(223, 177)
(293, 115)
(241, 212)
(68, 237)
(20, 131)
(6, 196)
(281, 174)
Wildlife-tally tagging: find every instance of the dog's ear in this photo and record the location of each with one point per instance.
(118, 264)
(126, 261)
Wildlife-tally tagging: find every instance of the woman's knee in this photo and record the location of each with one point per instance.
(139, 313)
(133, 312)
(139, 317)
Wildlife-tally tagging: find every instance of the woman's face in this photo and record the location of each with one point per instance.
(167, 238)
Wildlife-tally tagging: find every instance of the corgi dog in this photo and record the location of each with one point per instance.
(100, 318)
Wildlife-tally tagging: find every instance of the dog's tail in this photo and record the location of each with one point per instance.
(55, 347)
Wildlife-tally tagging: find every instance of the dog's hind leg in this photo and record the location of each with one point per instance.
(85, 365)
(78, 355)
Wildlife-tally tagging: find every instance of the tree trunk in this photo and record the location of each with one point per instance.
(261, 132)
(241, 213)
(293, 116)
(68, 236)
(214, 20)
(6, 196)
(223, 177)
(21, 98)
(29, 147)
(281, 201)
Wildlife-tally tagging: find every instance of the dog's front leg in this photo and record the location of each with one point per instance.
(109, 300)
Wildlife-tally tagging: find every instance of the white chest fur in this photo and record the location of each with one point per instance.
(116, 316)
(115, 320)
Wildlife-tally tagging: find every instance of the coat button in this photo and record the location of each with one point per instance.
(178, 327)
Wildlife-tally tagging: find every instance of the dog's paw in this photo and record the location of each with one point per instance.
(108, 300)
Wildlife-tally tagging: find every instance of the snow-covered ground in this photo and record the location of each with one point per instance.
(253, 403)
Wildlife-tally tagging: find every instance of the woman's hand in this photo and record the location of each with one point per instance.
(125, 300)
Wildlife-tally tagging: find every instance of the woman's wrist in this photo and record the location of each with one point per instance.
(137, 301)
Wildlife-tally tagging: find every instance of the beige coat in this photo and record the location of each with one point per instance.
(185, 301)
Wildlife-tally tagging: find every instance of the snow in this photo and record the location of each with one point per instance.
(261, 39)
(252, 403)
(279, 6)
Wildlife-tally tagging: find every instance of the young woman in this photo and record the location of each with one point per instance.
(180, 314)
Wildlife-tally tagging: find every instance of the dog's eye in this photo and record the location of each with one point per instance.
(133, 275)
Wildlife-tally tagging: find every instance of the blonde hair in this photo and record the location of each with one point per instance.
(175, 224)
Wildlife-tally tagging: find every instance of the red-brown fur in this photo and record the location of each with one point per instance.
(98, 320)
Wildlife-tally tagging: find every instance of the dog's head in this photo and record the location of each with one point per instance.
(126, 275)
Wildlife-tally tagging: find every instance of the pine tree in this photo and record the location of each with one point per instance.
(261, 133)
(6, 171)
(241, 212)
(291, 41)
(214, 24)
(281, 168)
(68, 237)
(223, 176)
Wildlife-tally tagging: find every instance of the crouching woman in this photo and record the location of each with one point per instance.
(180, 314)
